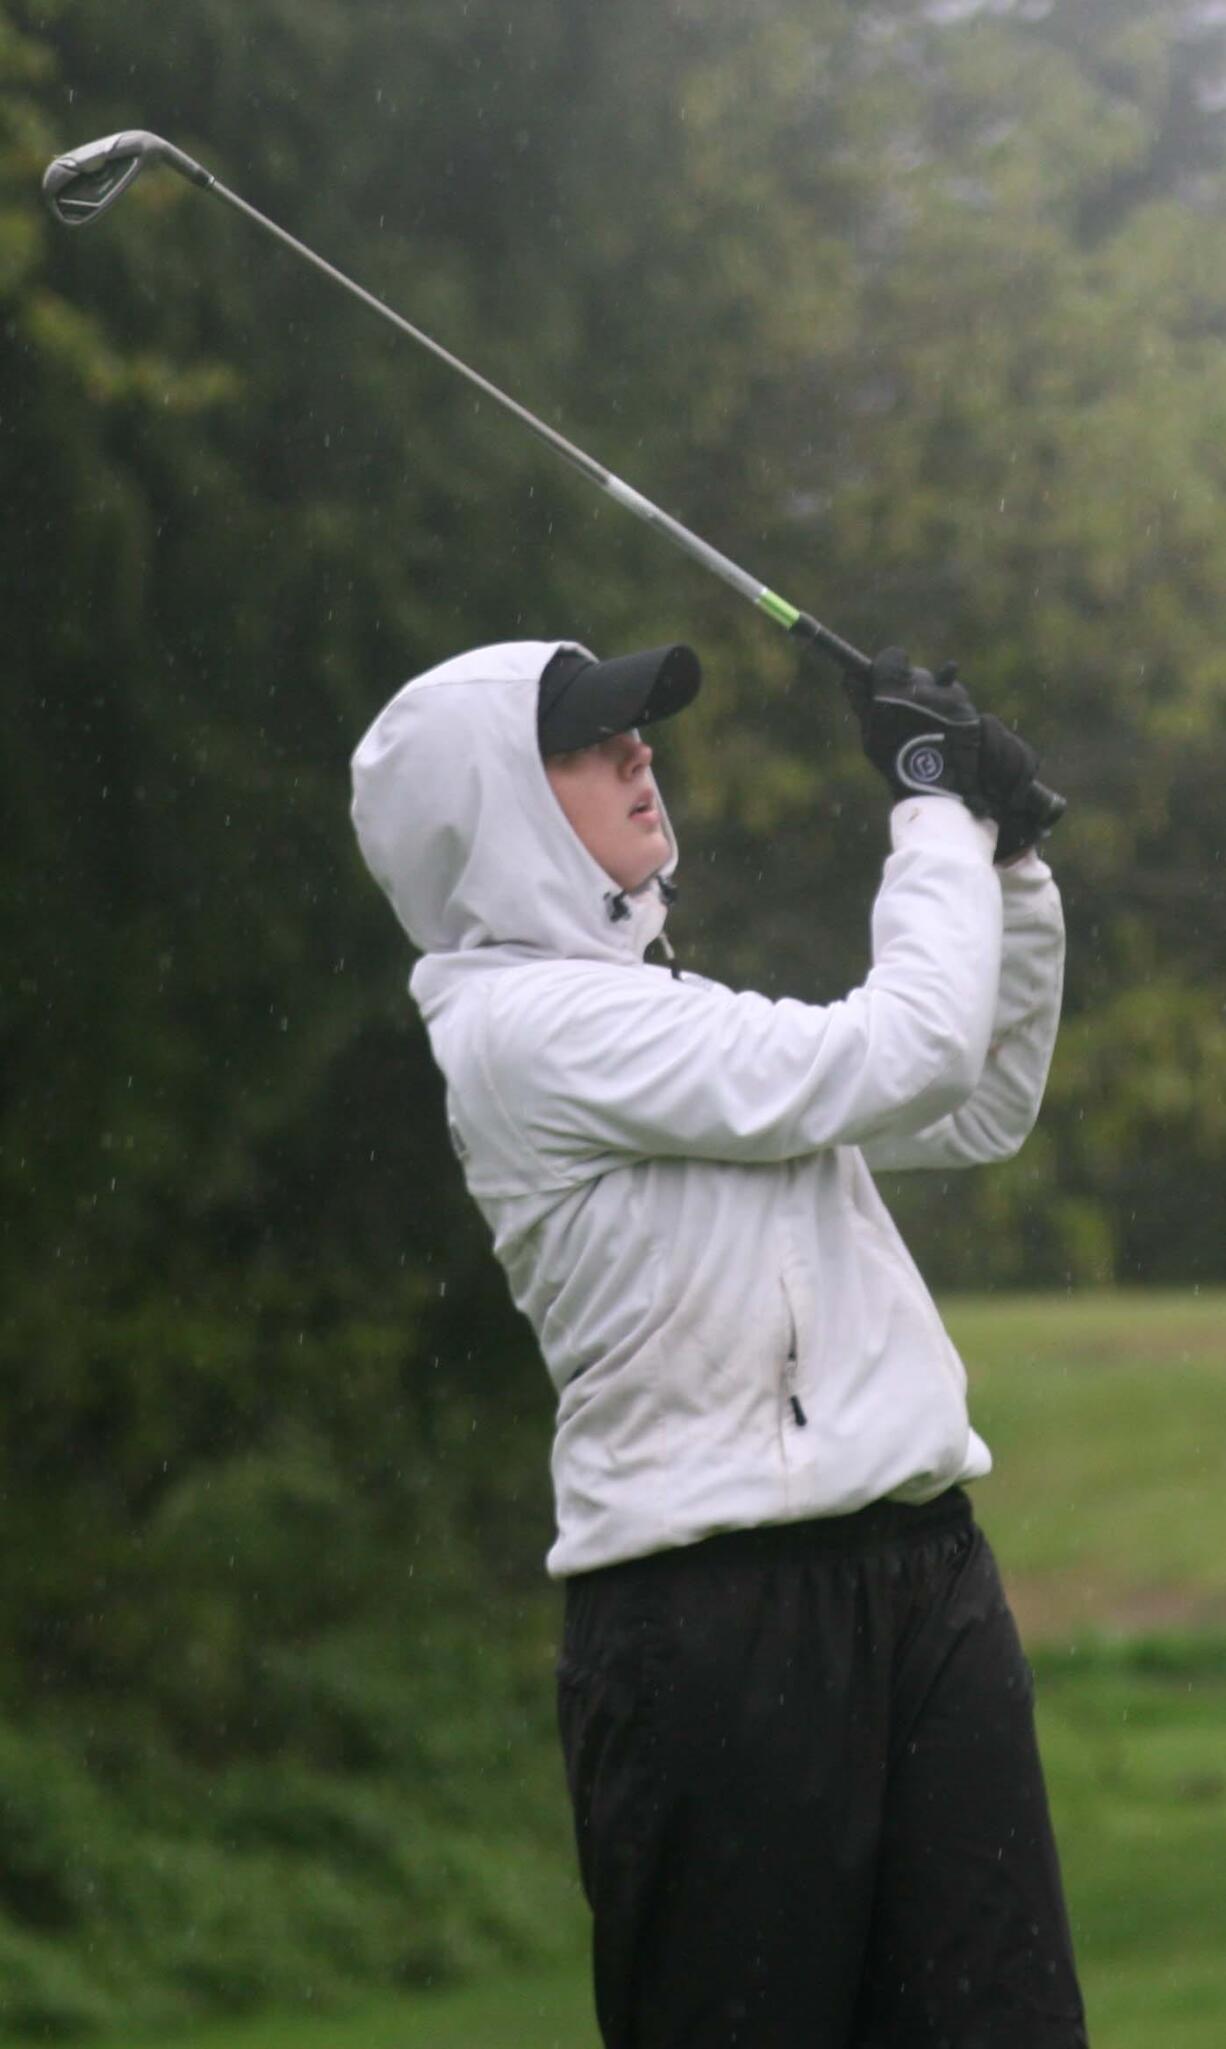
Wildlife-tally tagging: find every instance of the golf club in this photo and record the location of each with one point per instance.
(83, 183)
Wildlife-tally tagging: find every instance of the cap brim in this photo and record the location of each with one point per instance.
(603, 698)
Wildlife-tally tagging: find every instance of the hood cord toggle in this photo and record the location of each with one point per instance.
(617, 903)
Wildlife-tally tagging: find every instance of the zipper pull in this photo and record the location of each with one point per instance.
(789, 1377)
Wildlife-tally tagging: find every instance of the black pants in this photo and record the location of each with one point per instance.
(808, 1797)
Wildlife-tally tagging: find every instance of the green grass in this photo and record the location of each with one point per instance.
(1133, 1746)
(524, 2010)
(1106, 1416)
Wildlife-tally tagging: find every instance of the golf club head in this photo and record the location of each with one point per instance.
(82, 184)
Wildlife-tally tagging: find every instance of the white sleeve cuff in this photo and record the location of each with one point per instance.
(940, 820)
(1024, 869)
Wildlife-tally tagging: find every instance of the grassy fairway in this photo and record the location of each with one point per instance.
(1133, 1740)
(1107, 1417)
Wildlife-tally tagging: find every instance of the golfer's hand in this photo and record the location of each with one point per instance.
(1022, 825)
(924, 735)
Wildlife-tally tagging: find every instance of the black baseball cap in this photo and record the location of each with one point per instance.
(582, 701)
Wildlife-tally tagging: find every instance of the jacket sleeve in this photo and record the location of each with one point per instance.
(1000, 1112)
(597, 1059)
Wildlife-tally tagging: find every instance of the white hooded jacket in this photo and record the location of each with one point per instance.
(677, 1176)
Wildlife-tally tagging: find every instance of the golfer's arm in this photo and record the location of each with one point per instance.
(999, 1114)
(605, 1061)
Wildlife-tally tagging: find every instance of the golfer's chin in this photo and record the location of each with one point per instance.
(639, 863)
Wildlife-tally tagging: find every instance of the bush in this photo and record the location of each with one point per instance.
(409, 1829)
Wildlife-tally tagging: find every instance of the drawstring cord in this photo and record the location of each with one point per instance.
(618, 903)
(670, 957)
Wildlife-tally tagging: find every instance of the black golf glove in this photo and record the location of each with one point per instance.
(925, 736)
(1022, 825)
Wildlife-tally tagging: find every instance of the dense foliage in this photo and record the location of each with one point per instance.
(917, 310)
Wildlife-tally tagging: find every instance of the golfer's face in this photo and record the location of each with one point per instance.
(609, 796)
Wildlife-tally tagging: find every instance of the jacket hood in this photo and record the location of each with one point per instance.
(458, 824)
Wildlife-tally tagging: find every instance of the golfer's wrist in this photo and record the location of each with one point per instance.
(940, 820)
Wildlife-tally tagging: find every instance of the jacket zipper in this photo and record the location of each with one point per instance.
(791, 1369)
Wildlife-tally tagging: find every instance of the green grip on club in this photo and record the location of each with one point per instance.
(778, 609)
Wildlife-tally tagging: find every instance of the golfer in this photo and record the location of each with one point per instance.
(796, 1715)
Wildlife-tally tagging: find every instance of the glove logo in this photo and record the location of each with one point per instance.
(921, 763)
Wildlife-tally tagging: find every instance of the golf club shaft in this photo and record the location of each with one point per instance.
(777, 608)
(851, 660)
